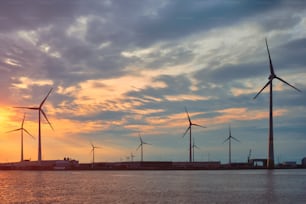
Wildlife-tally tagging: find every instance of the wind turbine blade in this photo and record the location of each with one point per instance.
(186, 131)
(226, 140)
(141, 141)
(262, 89)
(235, 139)
(198, 125)
(270, 61)
(46, 118)
(187, 114)
(139, 146)
(29, 133)
(42, 103)
(229, 130)
(23, 120)
(31, 108)
(14, 130)
(288, 84)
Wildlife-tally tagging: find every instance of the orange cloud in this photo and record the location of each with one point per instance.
(106, 94)
(25, 82)
(244, 114)
(185, 97)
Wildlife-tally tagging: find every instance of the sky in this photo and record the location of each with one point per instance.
(120, 69)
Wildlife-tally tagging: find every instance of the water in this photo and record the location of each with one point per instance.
(236, 186)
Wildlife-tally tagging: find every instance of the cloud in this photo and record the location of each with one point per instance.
(20, 15)
(25, 82)
(179, 18)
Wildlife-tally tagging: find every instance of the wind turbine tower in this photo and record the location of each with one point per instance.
(229, 138)
(189, 129)
(22, 129)
(270, 162)
(40, 111)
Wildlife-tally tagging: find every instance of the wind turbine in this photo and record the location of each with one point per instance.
(22, 129)
(93, 147)
(189, 129)
(132, 156)
(40, 111)
(229, 138)
(193, 146)
(141, 146)
(249, 155)
(270, 162)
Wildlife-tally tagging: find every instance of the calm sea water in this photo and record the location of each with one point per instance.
(241, 186)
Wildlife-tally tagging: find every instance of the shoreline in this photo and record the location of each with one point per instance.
(73, 165)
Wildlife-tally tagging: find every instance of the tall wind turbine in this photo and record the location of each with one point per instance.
(272, 76)
(141, 146)
(40, 111)
(22, 129)
(93, 147)
(229, 138)
(189, 129)
(193, 147)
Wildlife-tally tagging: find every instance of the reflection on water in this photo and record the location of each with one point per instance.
(242, 186)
